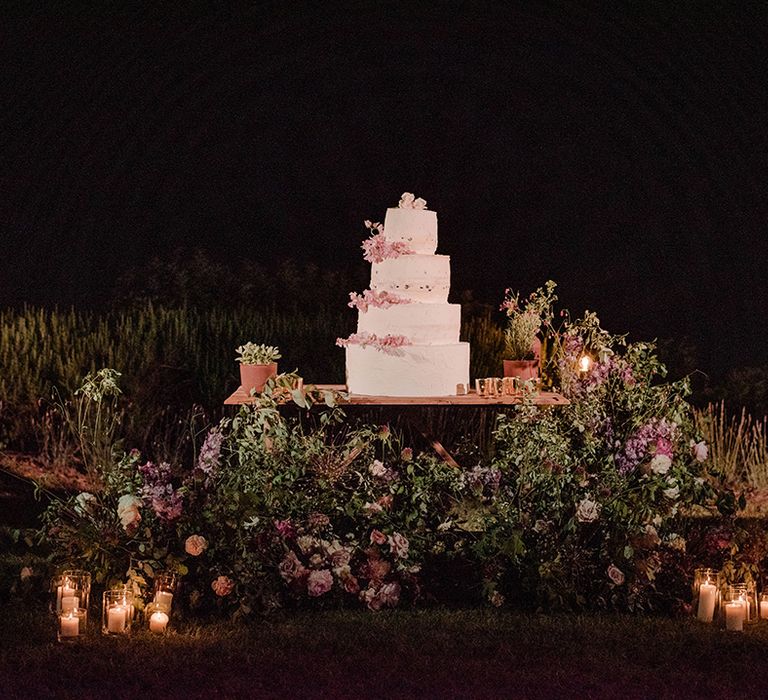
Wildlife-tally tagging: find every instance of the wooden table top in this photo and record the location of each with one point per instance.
(544, 398)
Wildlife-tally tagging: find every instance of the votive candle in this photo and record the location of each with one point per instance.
(158, 621)
(116, 617)
(734, 616)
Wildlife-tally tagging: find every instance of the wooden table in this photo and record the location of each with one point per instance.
(543, 398)
(472, 399)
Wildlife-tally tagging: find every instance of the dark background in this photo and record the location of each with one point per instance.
(620, 151)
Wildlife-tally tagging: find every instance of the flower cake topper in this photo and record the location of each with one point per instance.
(377, 248)
(407, 201)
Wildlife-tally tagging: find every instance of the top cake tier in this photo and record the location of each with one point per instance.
(416, 227)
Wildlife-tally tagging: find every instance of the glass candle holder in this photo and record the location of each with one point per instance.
(164, 590)
(157, 616)
(117, 611)
(68, 593)
(71, 624)
(736, 598)
(480, 387)
(706, 594)
(508, 386)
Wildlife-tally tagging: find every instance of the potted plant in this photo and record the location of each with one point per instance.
(257, 364)
(524, 321)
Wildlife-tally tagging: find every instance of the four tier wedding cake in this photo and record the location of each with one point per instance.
(407, 340)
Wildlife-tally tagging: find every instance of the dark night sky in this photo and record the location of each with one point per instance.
(622, 152)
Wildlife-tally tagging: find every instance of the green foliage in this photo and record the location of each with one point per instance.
(252, 354)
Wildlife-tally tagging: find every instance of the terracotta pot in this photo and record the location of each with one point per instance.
(255, 376)
(525, 369)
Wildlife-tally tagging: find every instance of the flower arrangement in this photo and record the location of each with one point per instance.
(252, 354)
(525, 319)
(586, 506)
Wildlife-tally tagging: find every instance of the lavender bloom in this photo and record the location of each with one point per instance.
(209, 459)
(159, 492)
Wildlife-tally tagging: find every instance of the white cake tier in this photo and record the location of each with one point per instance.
(419, 277)
(416, 227)
(422, 324)
(413, 370)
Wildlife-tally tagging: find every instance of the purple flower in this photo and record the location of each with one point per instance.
(209, 459)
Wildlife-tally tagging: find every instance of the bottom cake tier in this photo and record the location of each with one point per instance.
(413, 370)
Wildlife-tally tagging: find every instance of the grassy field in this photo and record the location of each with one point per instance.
(478, 654)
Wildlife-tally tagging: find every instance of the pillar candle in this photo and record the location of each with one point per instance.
(707, 598)
(116, 616)
(734, 617)
(158, 621)
(70, 625)
(764, 609)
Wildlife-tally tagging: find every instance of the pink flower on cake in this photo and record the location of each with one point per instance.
(380, 300)
(374, 226)
(223, 586)
(377, 249)
(387, 343)
(319, 582)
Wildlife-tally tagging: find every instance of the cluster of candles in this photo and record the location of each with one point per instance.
(492, 387)
(731, 605)
(71, 591)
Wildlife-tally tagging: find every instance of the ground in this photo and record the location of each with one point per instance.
(428, 653)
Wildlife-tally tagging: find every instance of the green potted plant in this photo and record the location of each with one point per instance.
(257, 364)
(524, 321)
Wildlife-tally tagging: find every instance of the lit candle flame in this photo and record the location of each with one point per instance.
(585, 362)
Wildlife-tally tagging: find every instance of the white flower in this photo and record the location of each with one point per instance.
(673, 491)
(251, 522)
(660, 464)
(128, 511)
(85, 503)
(587, 511)
(377, 468)
(699, 450)
(420, 203)
(657, 520)
(372, 508)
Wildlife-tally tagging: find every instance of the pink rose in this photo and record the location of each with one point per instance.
(407, 454)
(616, 575)
(338, 554)
(378, 537)
(398, 545)
(319, 582)
(195, 545)
(291, 568)
(351, 584)
(223, 586)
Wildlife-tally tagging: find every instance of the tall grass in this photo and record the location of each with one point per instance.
(170, 358)
(737, 445)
